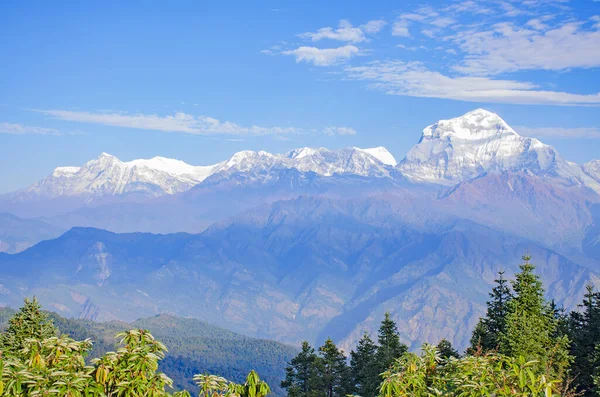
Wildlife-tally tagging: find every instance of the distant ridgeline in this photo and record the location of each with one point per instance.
(194, 347)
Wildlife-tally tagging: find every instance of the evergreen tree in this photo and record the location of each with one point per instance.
(486, 336)
(390, 348)
(334, 379)
(446, 350)
(584, 331)
(30, 322)
(531, 327)
(301, 377)
(364, 368)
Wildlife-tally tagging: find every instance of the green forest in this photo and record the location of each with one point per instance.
(524, 346)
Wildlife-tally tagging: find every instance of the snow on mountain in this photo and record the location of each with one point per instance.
(109, 176)
(448, 153)
(592, 169)
(364, 162)
(382, 154)
(479, 142)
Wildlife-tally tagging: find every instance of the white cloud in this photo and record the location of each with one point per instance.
(400, 28)
(428, 32)
(323, 57)
(507, 47)
(558, 132)
(345, 32)
(374, 26)
(442, 22)
(20, 129)
(414, 79)
(537, 24)
(339, 131)
(180, 122)
(486, 45)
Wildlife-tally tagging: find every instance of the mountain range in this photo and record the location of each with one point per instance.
(314, 242)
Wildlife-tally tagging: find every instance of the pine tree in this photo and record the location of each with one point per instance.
(531, 327)
(584, 331)
(333, 370)
(446, 350)
(390, 347)
(486, 336)
(364, 368)
(30, 322)
(301, 373)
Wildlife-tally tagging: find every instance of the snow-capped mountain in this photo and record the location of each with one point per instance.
(109, 176)
(448, 153)
(592, 169)
(480, 142)
(376, 162)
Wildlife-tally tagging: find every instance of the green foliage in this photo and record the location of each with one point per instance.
(486, 336)
(584, 331)
(472, 376)
(446, 350)
(53, 364)
(216, 386)
(364, 367)
(335, 377)
(47, 365)
(390, 347)
(195, 347)
(30, 322)
(301, 377)
(531, 326)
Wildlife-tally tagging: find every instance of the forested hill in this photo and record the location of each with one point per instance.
(195, 347)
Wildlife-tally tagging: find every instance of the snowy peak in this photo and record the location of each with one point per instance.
(475, 125)
(381, 154)
(364, 162)
(109, 176)
(463, 148)
(480, 142)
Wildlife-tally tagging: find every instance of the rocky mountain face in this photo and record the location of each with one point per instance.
(480, 142)
(306, 268)
(315, 242)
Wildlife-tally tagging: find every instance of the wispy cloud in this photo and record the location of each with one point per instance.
(339, 131)
(20, 129)
(483, 44)
(179, 122)
(323, 57)
(558, 132)
(346, 32)
(414, 79)
(400, 28)
(507, 47)
(374, 26)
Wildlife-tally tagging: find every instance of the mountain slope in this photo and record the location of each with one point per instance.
(17, 234)
(306, 268)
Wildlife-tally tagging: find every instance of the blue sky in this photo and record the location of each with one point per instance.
(199, 81)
